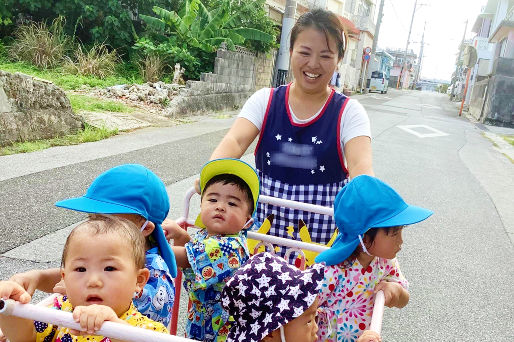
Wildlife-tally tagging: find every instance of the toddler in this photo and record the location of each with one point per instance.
(370, 216)
(133, 192)
(229, 194)
(102, 266)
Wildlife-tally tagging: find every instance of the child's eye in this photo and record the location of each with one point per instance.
(232, 204)
(80, 269)
(212, 200)
(110, 268)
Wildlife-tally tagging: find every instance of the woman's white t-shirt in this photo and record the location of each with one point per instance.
(354, 121)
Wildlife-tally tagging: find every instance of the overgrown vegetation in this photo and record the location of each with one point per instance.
(40, 45)
(93, 104)
(88, 134)
(98, 62)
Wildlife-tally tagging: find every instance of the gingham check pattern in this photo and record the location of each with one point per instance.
(320, 227)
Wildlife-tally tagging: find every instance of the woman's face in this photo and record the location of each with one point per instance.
(313, 60)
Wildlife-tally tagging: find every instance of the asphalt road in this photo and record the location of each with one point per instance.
(459, 262)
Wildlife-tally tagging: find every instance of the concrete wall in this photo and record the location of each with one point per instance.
(477, 98)
(499, 108)
(228, 87)
(32, 109)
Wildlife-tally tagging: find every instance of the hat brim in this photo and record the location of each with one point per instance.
(410, 215)
(165, 249)
(88, 205)
(232, 166)
(337, 253)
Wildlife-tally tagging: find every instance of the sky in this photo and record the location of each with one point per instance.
(445, 23)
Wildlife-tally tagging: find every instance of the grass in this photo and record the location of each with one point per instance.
(93, 104)
(509, 139)
(88, 134)
(125, 74)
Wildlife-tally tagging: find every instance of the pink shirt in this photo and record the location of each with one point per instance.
(347, 297)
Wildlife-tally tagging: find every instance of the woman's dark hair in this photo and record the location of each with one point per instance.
(369, 236)
(325, 22)
(227, 178)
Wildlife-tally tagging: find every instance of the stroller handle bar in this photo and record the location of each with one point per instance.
(61, 318)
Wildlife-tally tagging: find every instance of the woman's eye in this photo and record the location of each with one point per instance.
(80, 269)
(110, 268)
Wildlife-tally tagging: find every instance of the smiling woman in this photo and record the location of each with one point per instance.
(311, 138)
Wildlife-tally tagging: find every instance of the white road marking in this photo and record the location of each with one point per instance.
(426, 105)
(421, 131)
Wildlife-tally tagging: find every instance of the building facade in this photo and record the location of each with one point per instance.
(406, 78)
(492, 77)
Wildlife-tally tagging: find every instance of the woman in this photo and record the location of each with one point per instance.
(306, 130)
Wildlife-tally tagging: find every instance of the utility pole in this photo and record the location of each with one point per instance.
(461, 47)
(375, 40)
(404, 67)
(420, 55)
(282, 65)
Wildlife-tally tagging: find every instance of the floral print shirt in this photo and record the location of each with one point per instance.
(347, 297)
(52, 333)
(213, 260)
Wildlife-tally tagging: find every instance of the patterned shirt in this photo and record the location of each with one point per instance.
(213, 260)
(52, 333)
(156, 299)
(347, 297)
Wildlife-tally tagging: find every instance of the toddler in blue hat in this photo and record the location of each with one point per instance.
(229, 194)
(135, 193)
(370, 216)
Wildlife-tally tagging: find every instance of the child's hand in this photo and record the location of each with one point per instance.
(395, 295)
(369, 336)
(92, 317)
(12, 290)
(173, 231)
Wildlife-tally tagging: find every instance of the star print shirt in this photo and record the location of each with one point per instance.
(53, 333)
(347, 297)
(213, 260)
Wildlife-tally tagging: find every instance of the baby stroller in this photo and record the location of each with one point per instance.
(41, 313)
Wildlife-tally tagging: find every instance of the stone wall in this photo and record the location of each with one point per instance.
(263, 69)
(32, 109)
(227, 88)
(499, 107)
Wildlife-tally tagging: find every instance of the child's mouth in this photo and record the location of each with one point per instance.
(93, 299)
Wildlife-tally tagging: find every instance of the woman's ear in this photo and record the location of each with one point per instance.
(142, 277)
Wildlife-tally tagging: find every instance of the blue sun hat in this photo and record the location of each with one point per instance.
(129, 189)
(364, 203)
(232, 166)
(267, 293)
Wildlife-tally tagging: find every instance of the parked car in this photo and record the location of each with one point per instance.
(378, 82)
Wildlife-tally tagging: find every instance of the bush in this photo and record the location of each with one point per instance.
(98, 61)
(152, 68)
(40, 45)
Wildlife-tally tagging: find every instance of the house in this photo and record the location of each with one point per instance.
(492, 81)
(407, 78)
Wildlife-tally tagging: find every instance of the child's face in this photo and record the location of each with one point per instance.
(386, 245)
(304, 327)
(224, 209)
(100, 269)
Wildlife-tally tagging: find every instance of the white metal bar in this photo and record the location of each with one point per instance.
(378, 313)
(61, 318)
(286, 242)
(318, 209)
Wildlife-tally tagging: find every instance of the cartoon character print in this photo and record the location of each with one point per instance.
(208, 273)
(233, 261)
(160, 298)
(215, 254)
